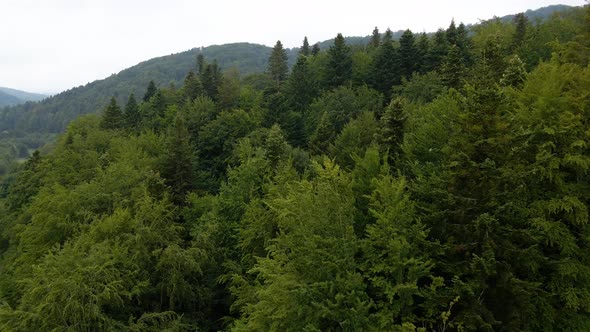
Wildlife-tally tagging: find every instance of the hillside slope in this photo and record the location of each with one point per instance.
(10, 97)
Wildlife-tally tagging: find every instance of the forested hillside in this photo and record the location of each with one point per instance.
(435, 183)
(10, 97)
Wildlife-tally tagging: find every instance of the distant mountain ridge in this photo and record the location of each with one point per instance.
(10, 97)
(53, 114)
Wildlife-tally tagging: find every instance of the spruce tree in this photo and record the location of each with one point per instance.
(112, 117)
(520, 22)
(177, 165)
(422, 50)
(315, 50)
(385, 70)
(375, 39)
(305, 50)
(151, 91)
(192, 86)
(132, 116)
(277, 65)
(200, 64)
(339, 67)
(408, 54)
(211, 80)
(452, 34)
(438, 51)
(453, 69)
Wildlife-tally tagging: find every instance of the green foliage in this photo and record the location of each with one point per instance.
(277, 64)
(339, 68)
(112, 117)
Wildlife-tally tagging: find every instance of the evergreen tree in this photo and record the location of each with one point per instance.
(315, 50)
(192, 86)
(392, 128)
(438, 51)
(301, 87)
(422, 50)
(375, 39)
(385, 70)
(211, 80)
(408, 54)
(200, 64)
(177, 164)
(132, 116)
(151, 91)
(464, 44)
(515, 73)
(277, 65)
(452, 34)
(338, 70)
(453, 69)
(112, 117)
(520, 22)
(305, 49)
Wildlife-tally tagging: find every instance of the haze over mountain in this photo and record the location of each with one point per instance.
(10, 97)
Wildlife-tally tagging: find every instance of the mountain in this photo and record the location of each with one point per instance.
(53, 114)
(10, 97)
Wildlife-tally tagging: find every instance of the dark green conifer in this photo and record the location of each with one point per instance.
(305, 50)
(438, 51)
(112, 117)
(277, 64)
(151, 91)
(132, 116)
(177, 165)
(422, 49)
(339, 66)
(385, 70)
(192, 86)
(315, 50)
(375, 39)
(452, 34)
(408, 54)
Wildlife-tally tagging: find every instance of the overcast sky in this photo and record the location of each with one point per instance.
(49, 46)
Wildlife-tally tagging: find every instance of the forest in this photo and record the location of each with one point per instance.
(427, 183)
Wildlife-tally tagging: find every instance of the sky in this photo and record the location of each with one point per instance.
(48, 46)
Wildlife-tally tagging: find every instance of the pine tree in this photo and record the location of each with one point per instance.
(277, 65)
(305, 50)
(151, 91)
(112, 117)
(392, 128)
(339, 67)
(211, 80)
(200, 64)
(408, 54)
(464, 44)
(515, 73)
(132, 116)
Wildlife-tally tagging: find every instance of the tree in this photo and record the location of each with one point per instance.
(375, 39)
(211, 79)
(192, 86)
(277, 65)
(453, 69)
(385, 71)
(520, 22)
(315, 50)
(132, 116)
(408, 54)
(177, 165)
(438, 51)
(305, 50)
(301, 87)
(338, 70)
(151, 91)
(452, 34)
(200, 64)
(112, 117)
(422, 50)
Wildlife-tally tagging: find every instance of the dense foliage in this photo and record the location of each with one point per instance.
(438, 183)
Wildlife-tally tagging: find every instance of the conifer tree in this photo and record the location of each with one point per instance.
(422, 50)
(151, 91)
(385, 70)
(453, 69)
(112, 117)
(315, 50)
(132, 116)
(301, 87)
(277, 65)
(192, 86)
(305, 49)
(211, 80)
(438, 51)
(177, 164)
(375, 39)
(408, 54)
(464, 44)
(200, 64)
(339, 67)
(452, 34)
(520, 22)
